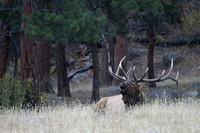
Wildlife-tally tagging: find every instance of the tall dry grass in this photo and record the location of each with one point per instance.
(158, 117)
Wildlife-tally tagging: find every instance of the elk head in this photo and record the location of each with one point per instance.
(130, 90)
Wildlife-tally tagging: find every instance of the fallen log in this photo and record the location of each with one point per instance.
(83, 69)
(175, 42)
(179, 42)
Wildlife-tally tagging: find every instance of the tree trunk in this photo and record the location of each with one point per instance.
(43, 54)
(95, 62)
(27, 50)
(105, 77)
(112, 56)
(63, 82)
(16, 63)
(151, 52)
(29, 59)
(119, 54)
(4, 44)
(43, 58)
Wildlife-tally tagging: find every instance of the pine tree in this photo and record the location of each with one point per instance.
(116, 12)
(73, 22)
(150, 8)
(5, 39)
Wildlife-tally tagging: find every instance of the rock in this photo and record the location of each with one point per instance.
(114, 91)
(191, 94)
(188, 100)
(167, 59)
(133, 53)
(175, 94)
(161, 94)
(195, 85)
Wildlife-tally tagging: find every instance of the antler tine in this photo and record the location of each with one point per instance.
(143, 75)
(134, 75)
(161, 78)
(177, 75)
(120, 66)
(128, 71)
(161, 74)
(171, 67)
(175, 79)
(116, 75)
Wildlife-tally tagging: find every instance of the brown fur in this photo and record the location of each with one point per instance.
(130, 96)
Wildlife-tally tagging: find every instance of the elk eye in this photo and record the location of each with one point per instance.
(132, 85)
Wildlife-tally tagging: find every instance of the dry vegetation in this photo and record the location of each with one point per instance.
(160, 117)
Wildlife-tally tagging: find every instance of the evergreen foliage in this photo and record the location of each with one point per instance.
(117, 13)
(161, 11)
(171, 13)
(13, 17)
(73, 23)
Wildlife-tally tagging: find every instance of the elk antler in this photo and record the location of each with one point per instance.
(116, 75)
(160, 78)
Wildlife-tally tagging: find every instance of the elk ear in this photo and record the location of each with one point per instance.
(139, 90)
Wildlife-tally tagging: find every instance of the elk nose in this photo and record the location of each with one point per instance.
(122, 85)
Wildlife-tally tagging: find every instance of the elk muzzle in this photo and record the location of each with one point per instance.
(122, 88)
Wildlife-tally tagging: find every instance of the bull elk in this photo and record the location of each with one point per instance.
(131, 93)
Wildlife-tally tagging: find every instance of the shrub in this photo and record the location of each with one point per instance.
(14, 94)
(11, 92)
(33, 95)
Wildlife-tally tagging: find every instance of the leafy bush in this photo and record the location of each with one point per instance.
(11, 92)
(32, 97)
(14, 94)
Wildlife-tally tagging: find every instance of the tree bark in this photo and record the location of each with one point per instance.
(119, 54)
(112, 56)
(63, 82)
(105, 77)
(4, 44)
(43, 59)
(28, 59)
(150, 57)
(33, 55)
(27, 50)
(95, 62)
(16, 63)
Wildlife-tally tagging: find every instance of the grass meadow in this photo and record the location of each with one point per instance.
(156, 117)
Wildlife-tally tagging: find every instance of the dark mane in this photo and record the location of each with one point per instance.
(136, 98)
